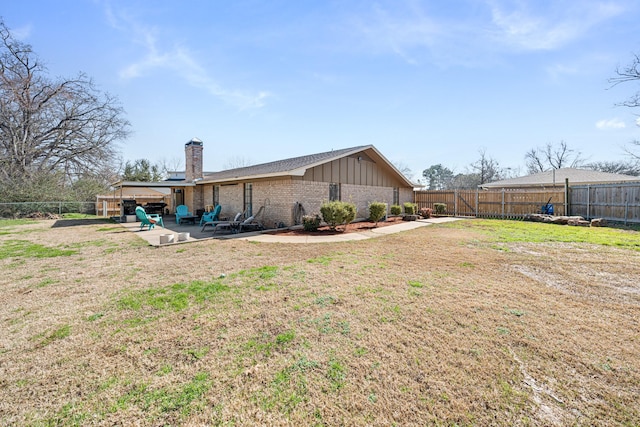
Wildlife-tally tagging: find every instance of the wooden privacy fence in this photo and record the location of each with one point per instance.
(613, 202)
(509, 204)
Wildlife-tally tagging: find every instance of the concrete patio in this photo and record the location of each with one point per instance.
(176, 231)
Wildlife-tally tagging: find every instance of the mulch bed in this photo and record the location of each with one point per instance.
(353, 227)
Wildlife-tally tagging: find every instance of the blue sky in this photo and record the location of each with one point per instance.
(426, 82)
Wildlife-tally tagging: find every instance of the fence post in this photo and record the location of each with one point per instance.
(588, 200)
(477, 200)
(455, 202)
(626, 208)
(503, 203)
(60, 208)
(567, 206)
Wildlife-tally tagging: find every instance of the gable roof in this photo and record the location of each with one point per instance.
(295, 166)
(558, 176)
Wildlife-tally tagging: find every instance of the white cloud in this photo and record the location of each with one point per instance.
(180, 61)
(557, 24)
(610, 124)
(21, 33)
(475, 32)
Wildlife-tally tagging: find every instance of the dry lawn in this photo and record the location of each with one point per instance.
(438, 326)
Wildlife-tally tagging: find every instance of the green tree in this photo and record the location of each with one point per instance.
(438, 177)
(142, 170)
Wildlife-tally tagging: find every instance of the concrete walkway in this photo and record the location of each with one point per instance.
(175, 232)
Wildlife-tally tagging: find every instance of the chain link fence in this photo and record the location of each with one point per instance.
(39, 209)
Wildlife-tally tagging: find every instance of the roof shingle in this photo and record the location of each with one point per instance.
(285, 166)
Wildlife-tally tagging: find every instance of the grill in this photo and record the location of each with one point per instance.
(155, 207)
(129, 207)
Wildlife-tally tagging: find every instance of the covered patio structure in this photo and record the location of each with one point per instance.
(163, 196)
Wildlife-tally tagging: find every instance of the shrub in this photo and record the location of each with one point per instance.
(337, 213)
(440, 208)
(410, 208)
(377, 211)
(426, 212)
(395, 210)
(311, 222)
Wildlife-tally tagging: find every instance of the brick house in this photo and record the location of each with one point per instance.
(290, 188)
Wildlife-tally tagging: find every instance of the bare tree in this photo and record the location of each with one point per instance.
(404, 169)
(629, 73)
(47, 126)
(235, 162)
(552, 157)
(626, 74)
(623, 167)
(634, 155)
(486, 168)
(171, 165)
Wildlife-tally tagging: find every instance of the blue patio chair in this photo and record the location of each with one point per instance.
(214, 215)
(182, 211)
(148, 219)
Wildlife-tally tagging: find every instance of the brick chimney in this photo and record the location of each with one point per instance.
(193, 159)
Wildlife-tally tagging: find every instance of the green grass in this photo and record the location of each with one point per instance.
(285, 337)
(336, 374)
(13, 222)
(26, 249)
(324, 260)
(181, 400)
(176, 297)
(427, 336)
(415, 284)
(507, 231)
(58, 334)
(76, 215)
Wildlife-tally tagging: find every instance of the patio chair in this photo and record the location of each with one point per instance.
(182, 211)
(148, 219)
(229, 225)
(252, 222)
(214, 215)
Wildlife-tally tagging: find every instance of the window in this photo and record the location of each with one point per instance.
(216, 195)
(334, 191)
(396, 196)
(248, 199)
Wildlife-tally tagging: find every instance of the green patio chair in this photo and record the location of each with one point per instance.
(214, 215)
(148, 219)
(182, 211)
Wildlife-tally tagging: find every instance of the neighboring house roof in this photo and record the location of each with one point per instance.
(297, 166)
(558, 177)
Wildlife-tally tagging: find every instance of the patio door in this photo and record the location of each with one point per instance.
(248, 199)
(178, 197)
